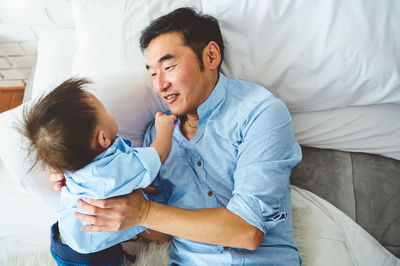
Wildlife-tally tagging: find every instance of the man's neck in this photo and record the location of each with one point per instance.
(190, 120)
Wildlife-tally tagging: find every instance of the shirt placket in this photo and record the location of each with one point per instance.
(199, 168)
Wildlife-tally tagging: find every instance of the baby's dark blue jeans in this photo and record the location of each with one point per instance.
(66, 256)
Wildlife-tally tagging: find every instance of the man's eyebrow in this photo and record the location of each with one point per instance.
(162, 58)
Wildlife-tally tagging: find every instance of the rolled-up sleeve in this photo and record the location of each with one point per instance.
(151, 163)
(122, 172)
(266, 156)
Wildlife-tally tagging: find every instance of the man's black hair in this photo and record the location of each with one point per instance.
(197, 30)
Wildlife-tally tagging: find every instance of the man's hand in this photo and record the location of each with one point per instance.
(151, 190)
(154, 236)
(113, 214)
(58, 179)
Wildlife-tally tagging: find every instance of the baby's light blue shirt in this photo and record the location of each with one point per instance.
(117, 171)
(240, 158)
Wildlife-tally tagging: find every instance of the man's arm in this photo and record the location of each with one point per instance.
(216, 226)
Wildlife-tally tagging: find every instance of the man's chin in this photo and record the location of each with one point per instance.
(176, 112)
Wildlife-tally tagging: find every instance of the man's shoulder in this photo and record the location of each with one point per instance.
(246, 91)
(248, 96)
(247, 102)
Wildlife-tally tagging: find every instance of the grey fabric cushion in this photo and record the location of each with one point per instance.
(364, 186)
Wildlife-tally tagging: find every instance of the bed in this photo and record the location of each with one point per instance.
(334, 63)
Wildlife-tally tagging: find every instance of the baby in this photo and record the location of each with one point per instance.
(71, 132)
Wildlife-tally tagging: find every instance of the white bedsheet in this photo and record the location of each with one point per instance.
(324, 234)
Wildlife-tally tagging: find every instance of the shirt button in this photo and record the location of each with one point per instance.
(210, 193)
(198, 163)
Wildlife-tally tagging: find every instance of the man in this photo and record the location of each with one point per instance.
(225, 194)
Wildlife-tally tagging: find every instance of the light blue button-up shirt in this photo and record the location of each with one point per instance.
(117, 171)
(241, 158)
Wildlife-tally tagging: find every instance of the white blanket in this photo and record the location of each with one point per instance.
(327, 236)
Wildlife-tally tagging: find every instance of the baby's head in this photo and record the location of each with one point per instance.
(68, 127)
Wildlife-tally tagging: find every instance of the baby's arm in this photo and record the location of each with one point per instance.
(164, 127)
(162, 143)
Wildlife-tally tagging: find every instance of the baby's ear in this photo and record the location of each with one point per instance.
(102, 140)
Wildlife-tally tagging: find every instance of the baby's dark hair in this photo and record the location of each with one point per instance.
(60, 127)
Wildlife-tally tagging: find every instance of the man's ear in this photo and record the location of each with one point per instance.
(213, 55)
(102, 140)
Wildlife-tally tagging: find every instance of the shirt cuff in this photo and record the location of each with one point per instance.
(248, 208)
(151, 162)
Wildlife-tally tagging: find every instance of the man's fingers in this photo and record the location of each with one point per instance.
(151, 190)
(91, 206)
(97, 228)
(97, 224)
(57, 187)
(93, 219)
(56, 177)
(87, 218)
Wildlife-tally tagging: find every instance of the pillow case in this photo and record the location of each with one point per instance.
(371, 129)
(343, 53)
(13, 154)
(56, 51)
(127, 95)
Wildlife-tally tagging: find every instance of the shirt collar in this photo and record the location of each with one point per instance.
(119, 143)
(215, 97)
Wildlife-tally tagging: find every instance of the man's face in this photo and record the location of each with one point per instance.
(176, 74)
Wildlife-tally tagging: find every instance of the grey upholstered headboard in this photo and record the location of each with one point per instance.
(364, 186)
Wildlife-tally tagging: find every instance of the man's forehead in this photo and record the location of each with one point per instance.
(162, 59)
(164, 47)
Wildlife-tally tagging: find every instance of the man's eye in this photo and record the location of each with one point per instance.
(170, 67)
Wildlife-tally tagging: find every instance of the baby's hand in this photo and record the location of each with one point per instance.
(58, 180)
(164, 121)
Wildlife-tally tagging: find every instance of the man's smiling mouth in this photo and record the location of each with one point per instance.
(169, 97)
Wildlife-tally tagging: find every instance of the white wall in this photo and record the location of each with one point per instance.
(20, 24)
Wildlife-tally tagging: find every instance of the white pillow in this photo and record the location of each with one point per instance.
(313, 55)
(13, 153)
(371, 129)
(131, 87)
(56, 51)
(127, 95)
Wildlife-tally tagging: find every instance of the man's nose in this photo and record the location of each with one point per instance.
(161, 83)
